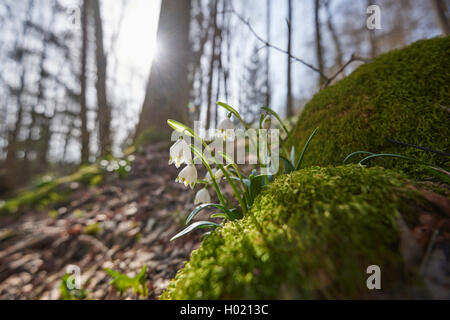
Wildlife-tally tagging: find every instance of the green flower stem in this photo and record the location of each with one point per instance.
(234, 112)
(272, 112)
(241, 179)
(208, 167)
(225, 172)
(233, 186)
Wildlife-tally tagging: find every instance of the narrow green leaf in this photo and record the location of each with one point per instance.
(219, 215)
(288, 167)
(293, 156)
(196, 225)
(181, 128)
(229, 108)
(234, 112)
(202, 207)
(390, 155)
(299, 163)
(351, 155)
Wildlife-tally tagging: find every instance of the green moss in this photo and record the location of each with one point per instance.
(402, 95)
(310, 234)
(93, 229)
(51, 192)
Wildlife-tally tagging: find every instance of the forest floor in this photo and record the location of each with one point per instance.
(130, 223)
(126, 224)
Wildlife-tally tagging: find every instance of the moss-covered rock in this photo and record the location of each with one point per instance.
(50, 191)
(402, 95)
(310, 234)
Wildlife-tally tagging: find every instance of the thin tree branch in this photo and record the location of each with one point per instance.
(267, 44)
(327, 79)
(353, 58)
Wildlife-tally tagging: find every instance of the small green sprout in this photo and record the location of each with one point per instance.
(123, 283)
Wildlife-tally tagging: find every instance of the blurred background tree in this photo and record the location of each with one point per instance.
(79, 79)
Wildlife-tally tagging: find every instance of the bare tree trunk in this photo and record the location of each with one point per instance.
(318, 41)
(441, 12)
(13, 176)
(104, 113)
(83, 104)
(44, 129)
(334, 36)
(227, 32)
(167, 89)
(268, 25)
(289, 104)
(212, 65)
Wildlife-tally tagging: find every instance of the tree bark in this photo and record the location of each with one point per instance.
(319, 53)
(289, 104)
(167, 91)
(14, 177)
(441, 12)
(104, 113)
(83, 104)
(337, 45)
(212, 65)
(268, 25)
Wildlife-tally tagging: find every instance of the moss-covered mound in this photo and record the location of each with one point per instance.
(50, 190)
(311, 234)
(402, 95)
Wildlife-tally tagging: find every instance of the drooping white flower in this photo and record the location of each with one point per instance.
(218, 174)
(225, 129)
(188, 176)
(122, 163)
(202, 197)
(180, 153)
(267, 123)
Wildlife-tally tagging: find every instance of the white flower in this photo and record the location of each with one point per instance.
(188, 176)
(267, 123)
(202, 197)
(218, 174)
(225, 129)
(104, 163)
(180, 153)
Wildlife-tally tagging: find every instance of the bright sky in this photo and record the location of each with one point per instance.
(135, 49)
(137, 42)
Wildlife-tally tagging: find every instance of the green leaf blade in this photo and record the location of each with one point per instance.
(194, 226)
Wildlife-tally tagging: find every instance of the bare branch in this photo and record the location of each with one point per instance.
(267, 44)
(353, 58)
(327, 79)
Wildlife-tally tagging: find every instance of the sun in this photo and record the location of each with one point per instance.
(137, 45)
